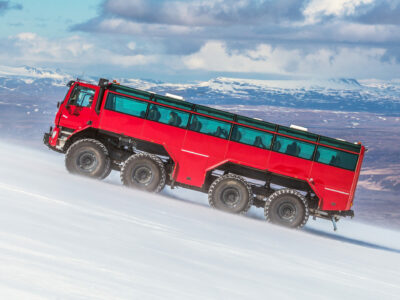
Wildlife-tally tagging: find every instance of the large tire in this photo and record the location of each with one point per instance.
(287, 207)
(88, 157)
(230, 193)
(105, 175)
(145, 172)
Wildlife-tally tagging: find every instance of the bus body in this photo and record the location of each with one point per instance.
(198, 143)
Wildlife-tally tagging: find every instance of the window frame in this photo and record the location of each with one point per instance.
(214, 119)
(80, 88)
(131, 92)
(172, 109)
(334, 143)
(295, 133)
(255, 121)
(292, 138)
(125, 113)
(250, 128)
(211, 109)
(172, 102)
(351, 170)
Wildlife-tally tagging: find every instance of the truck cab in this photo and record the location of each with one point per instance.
(76, 112)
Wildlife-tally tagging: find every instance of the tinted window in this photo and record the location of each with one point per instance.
(168, 116)
(214, 112)
(293, 147)
(126, 105)
(176, 103)
(340, 144)
(131, 92)
(298, 133)
(256, 123)
(81, 96)
(251, 137)
(210, 126)
(336, 158)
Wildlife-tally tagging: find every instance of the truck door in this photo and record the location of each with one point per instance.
(78, 110)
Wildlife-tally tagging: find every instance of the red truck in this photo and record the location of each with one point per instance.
(156, 140)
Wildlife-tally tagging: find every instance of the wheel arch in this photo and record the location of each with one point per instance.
(262, 175)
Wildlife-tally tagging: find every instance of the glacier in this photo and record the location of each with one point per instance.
(69, 237)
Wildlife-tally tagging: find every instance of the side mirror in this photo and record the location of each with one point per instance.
(58, 104)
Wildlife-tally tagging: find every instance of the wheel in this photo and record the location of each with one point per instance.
(230, 193)
(105, 175)
(88, 157)
(144, 171)
(288, 208)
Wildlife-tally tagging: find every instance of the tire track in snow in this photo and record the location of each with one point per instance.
(110, 214)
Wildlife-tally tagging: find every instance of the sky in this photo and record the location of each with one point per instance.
(176, 40)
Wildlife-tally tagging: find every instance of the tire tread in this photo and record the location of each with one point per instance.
(102, 147)
(225, 177)
(152, 157)
(291, 192)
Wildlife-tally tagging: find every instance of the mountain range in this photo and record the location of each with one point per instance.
(331, 94)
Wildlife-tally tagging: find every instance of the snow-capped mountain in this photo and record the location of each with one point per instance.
(333, 94)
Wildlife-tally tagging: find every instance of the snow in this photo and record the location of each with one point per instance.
(68, 237)
(32, 73)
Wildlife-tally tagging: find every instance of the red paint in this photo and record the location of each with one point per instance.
(195, 153)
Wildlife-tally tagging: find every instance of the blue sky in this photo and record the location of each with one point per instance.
(178, 40)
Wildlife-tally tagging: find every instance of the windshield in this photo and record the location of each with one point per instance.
(81, 96)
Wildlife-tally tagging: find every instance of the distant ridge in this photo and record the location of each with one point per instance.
(342, 94)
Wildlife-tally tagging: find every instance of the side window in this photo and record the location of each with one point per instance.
(126, 105)
(336, 158)
(81, 96)
(168, 116)
(293, 147)
(256, 123)
(214, 112)
(132, 92)
(340, 144)
(298, 133)
(176, 103)
(251, 137)
(210, 126)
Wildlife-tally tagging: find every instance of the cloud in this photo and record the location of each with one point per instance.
(349, 33)
(7, 5)
(289, 38)
(199, 20)
(382, 12)
(122, 26)
(214, 56)
(182, 27)
(316, 10)
(204, 12)
(339, 62)
(30, 48)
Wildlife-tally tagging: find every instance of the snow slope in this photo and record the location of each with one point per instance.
(67, 237)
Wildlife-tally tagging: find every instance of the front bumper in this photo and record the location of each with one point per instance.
(50, 139)
(46, 137)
